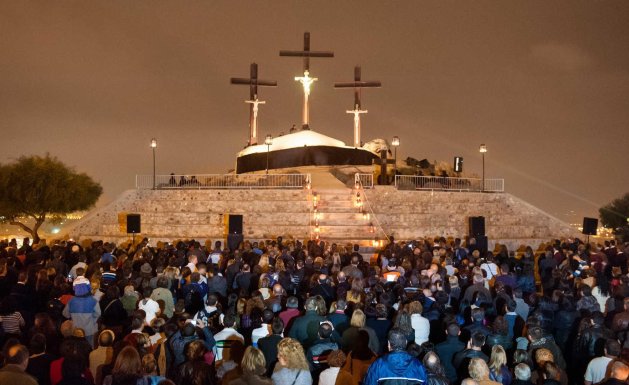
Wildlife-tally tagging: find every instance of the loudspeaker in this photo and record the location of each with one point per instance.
(133, 224)
(458, 164)
(477, 226)
(589, 226)
(235, 224)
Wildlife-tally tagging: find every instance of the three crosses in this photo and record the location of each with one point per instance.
(253, 82)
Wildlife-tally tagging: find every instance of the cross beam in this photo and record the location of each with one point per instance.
(253, 82)
(357, 85)
(306, 81)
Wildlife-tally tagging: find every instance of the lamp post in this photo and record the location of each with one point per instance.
(153, 146)
(268, 141)
(395, 143)
(483, 150)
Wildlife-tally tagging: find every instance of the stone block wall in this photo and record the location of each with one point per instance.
(200, 214)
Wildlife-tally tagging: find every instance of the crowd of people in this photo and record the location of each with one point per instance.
(435, 311)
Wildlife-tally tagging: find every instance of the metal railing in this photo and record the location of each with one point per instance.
(223, 181)
(364, 180)
(411, 182)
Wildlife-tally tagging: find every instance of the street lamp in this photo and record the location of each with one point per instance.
(153, 146)
(483, 150)
(268, 141)
(395, 143)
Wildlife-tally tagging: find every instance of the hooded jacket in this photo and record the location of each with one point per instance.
(396, 368)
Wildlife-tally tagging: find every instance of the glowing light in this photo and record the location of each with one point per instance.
(372, 228)
(482, 148)
(396, 141)
(306, 81)
(365, 215)
(55, 230)
(154, 143)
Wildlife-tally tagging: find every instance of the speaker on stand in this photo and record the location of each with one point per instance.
(590, 226)
(134, 225)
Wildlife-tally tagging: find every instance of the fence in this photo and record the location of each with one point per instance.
(364, 180)
(410, 182)
(223, 181)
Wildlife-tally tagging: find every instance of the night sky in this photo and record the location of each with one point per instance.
(544, 84)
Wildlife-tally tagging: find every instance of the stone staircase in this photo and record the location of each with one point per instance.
(339, 218)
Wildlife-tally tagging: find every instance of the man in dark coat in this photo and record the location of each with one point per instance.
(448, 349)
(268, 344)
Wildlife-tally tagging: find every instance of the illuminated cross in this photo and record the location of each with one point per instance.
(253, 82)
(357, 85)
(306, 80)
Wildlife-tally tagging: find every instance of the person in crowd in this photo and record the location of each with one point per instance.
(195, 370)
(268, 344)
(304, 329)
(359, 358)
(498, 369)
(619, 374)
(334, 375)
(14, 371)
(253, 369)
(479, 371)
(522, 374)
(103, 354)
(39, 360)
(597, 367)
(127, 368)
(396, 364)
(474, 350)
(83, 309)
(434, 370)
(292, 368)
(448, 349)
(420, 324)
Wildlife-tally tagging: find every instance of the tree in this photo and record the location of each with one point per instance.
(36, 188)
(614, 215)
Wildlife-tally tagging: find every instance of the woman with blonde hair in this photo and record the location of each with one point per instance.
(253, 367)
(498, 370)
(479, 371)
(292, 368)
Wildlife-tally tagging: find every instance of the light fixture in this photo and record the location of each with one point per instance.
(153, 147)
(483, 149)
(395, 143)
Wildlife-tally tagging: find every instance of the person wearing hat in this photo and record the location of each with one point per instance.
(83, 309)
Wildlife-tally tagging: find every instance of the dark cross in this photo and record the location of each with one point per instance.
(253, 82)
(306, 80)
(357, 85)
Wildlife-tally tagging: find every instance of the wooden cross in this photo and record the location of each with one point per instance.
(357, 85)
(253, 82)
(306, 81)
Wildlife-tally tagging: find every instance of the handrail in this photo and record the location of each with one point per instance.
(223, 181)
(364, 180)
(412, 182)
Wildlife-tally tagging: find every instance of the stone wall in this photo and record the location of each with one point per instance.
(200, 214)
